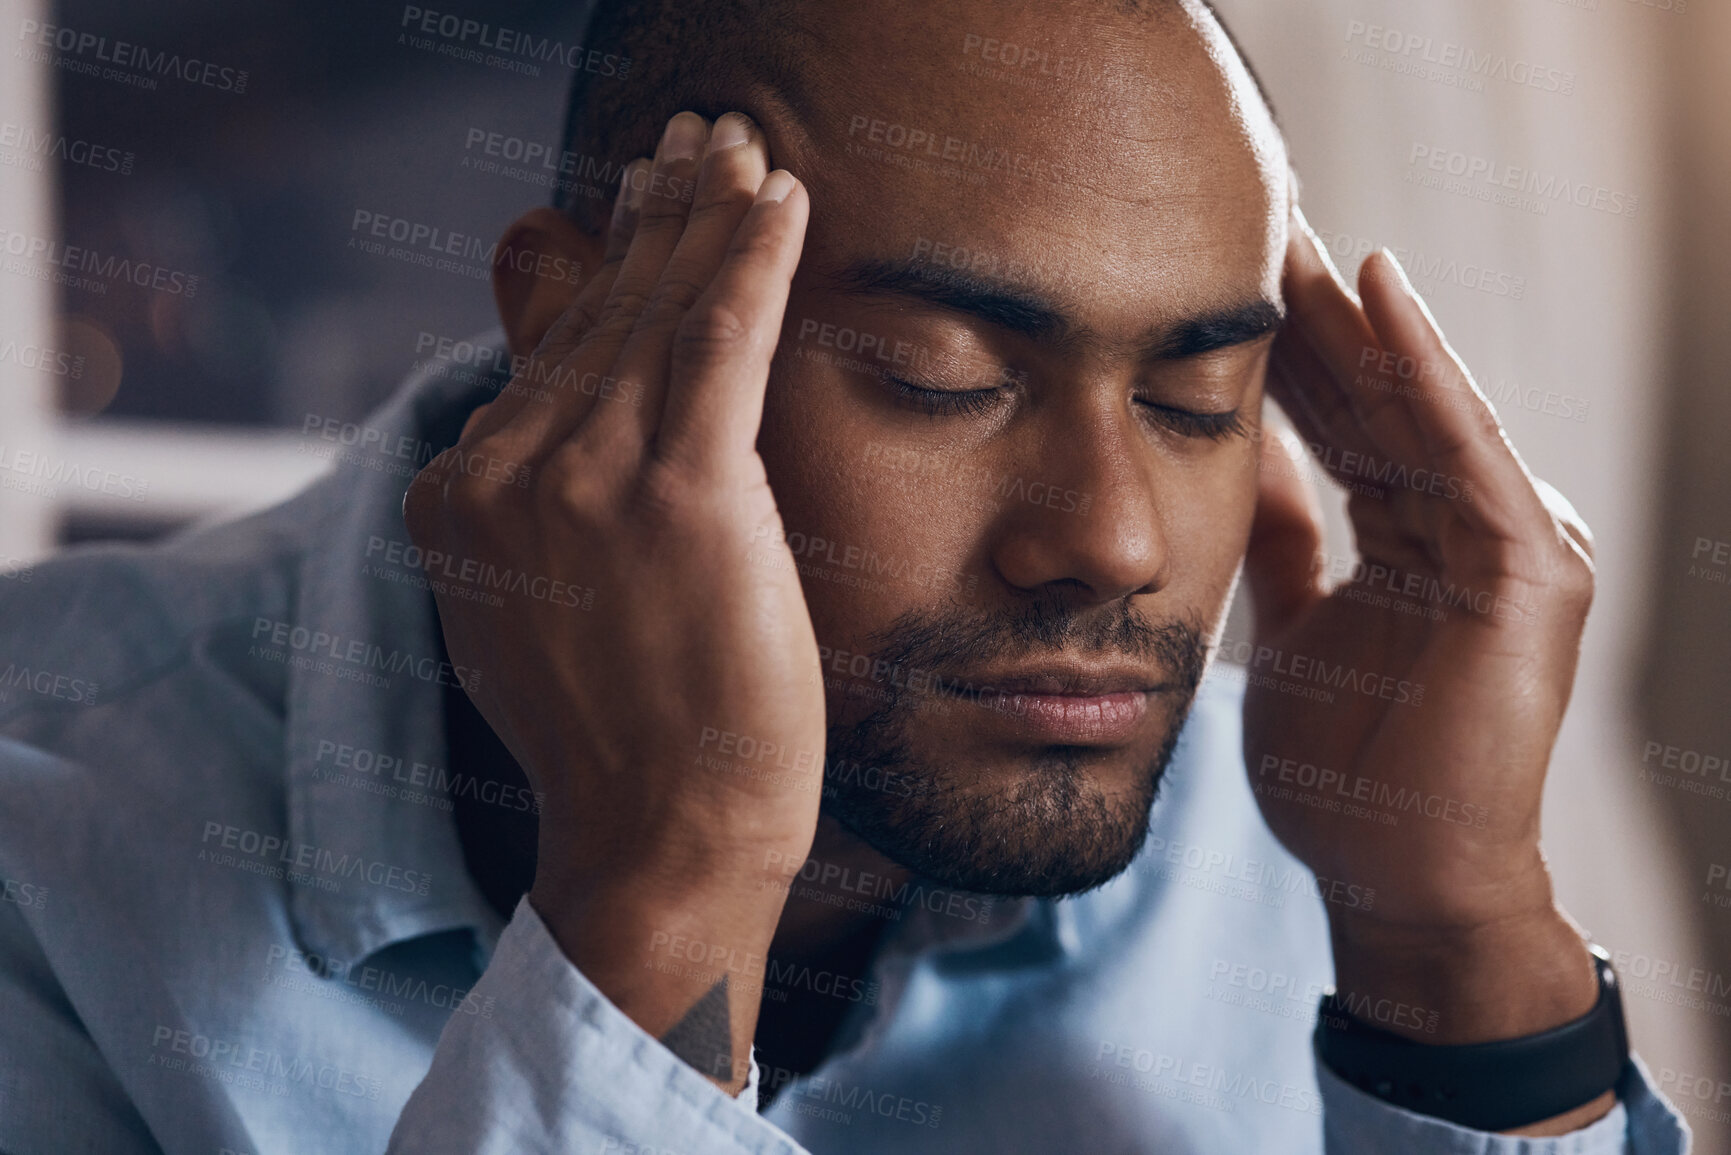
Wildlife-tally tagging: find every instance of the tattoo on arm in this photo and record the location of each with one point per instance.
(704, 1037)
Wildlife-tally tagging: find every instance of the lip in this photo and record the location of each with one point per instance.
(1060, 705)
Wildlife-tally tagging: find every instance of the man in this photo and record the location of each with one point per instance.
(825, 595)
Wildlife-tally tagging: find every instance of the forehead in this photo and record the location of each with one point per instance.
(1124, 164)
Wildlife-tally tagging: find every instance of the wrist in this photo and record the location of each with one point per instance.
(1547, 1082)
(658, 914)
(1514, 976)
(668, 870)
(671, 940)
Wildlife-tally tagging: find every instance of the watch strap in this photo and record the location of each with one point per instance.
(1492, 1086)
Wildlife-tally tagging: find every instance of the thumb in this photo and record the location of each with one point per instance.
(1285, 536)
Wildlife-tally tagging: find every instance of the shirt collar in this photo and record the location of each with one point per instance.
(374, 631)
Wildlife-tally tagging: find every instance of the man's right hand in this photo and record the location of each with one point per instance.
(676, 728)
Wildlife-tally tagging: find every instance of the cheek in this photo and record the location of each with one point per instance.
(871, 542)
(1209, 520)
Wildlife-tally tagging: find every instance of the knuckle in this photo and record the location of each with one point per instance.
(1488, 427)
(1577, 587)
(568, 331)
(725, 202)
(571, 491)
(626, 301)
(664, 212)
(674, 297)
(754, 246)
(609, 333)
(1571, 579)
(471, 502)
(608, 270)
(443, 503)
(667, 495)
(710, 330)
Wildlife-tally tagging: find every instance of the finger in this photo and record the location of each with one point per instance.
(1285, 537)
(1352, 406)
(1301, 384)
(546, 373)
(569, 330)
(582, 383)
(1458, 431)
(1297, 377)
(723, 349)
(627, 209)
(664, 206)
(1338, 451)
(734, 168)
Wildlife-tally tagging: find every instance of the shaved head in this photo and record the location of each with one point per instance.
(713, 56)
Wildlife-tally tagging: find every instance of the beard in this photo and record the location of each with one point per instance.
(1052, 829)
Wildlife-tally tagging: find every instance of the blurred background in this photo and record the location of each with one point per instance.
(181, 303)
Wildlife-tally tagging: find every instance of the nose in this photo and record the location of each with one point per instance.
(1081, 511)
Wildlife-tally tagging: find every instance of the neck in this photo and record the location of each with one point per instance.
(841, 894)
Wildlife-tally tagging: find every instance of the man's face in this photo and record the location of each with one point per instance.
(1023, 279)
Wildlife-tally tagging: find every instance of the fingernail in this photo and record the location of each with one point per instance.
(684, 138)
(775, 187)
(632, 184)
(730, 130)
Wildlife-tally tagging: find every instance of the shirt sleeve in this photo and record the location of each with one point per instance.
(1355, 1123)
(560, 1068)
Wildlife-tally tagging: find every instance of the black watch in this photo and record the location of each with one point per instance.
(1486, 1086)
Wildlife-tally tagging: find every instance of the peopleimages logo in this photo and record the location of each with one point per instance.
(1528, 189)
(148, 63)
(1423, 267)
(47, 683)
(24, 894)
(1468, 62)
(83, 260)
(460, 32)
(41, 472)
(254, 1068)
(433, 246)
(268, 850)
(358, 655)
(29, 142)
(374, 980)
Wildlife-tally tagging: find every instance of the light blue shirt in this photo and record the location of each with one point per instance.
(236, 916)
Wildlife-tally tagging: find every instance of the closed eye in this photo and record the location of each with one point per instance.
(968, 402)
(946, 402)
(1212, 426)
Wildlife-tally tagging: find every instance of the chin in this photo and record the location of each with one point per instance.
(1058, 821)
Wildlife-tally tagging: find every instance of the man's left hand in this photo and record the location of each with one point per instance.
(1398, 726)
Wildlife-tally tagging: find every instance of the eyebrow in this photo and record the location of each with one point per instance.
(1020, 310)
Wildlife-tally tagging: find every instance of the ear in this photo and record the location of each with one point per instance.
(541, 263)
